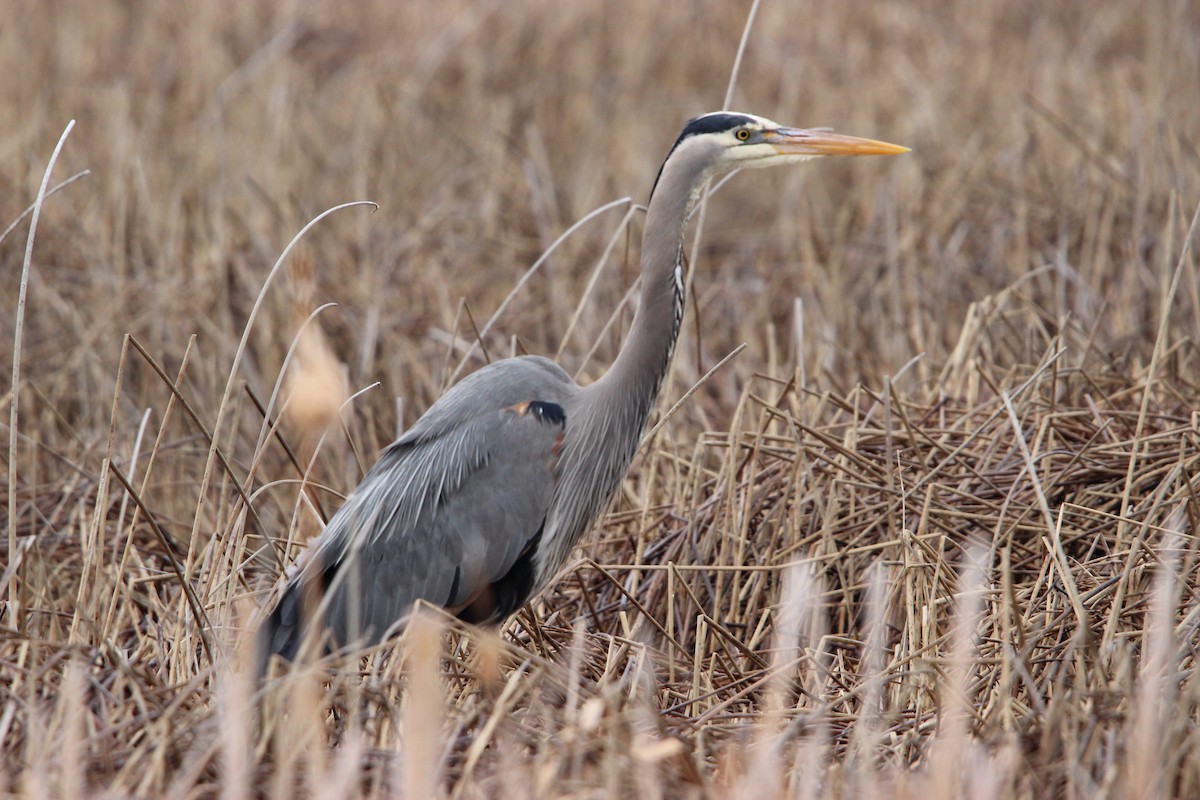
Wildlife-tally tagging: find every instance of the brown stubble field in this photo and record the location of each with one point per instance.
(931, 533)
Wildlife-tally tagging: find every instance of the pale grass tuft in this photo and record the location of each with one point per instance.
(316, 385)
(421, 709)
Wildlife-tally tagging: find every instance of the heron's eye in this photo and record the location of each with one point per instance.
(742, 134)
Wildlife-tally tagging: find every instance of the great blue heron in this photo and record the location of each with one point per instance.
(480, 503)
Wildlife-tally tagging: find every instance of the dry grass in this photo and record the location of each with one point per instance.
(932, 533)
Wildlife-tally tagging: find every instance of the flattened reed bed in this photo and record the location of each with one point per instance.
(666, 639)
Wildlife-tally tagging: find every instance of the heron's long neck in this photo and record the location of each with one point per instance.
(634, 379)
(606, 422)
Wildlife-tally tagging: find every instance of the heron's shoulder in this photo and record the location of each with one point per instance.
(498, 386)
(504, 383)
(523, 372)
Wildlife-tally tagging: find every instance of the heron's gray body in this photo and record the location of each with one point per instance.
(481, 502)
(435, 519)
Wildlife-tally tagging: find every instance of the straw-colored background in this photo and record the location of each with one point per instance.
(985, 349)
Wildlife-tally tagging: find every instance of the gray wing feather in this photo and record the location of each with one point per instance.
(448, 510)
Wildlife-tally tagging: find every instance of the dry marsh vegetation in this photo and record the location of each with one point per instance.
(931, 533)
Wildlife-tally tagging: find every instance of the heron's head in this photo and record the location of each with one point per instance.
(725, 140)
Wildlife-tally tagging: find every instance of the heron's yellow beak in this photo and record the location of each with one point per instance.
(795, 141)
